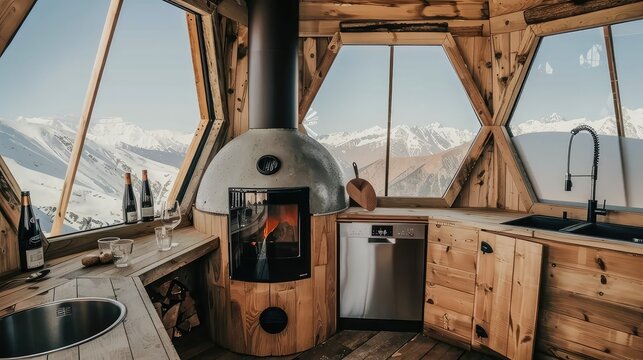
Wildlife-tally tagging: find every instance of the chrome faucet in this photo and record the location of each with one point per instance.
(592, 207)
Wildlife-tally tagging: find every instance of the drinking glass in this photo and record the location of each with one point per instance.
(171, 216)
(121, 251)
(163, 237)
(104, 243)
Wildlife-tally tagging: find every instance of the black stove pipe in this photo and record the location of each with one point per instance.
(273, 42)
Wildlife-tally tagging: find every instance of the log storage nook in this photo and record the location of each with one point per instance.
(317, 179)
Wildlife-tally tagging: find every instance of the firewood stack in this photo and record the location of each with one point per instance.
(175, 306)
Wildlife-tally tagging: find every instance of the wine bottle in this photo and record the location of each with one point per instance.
(29, 240)
(130, 214)
(147, 201)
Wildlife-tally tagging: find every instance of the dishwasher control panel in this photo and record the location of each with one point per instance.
(408, 231)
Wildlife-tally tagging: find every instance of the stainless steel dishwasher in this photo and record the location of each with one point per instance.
(381, 275)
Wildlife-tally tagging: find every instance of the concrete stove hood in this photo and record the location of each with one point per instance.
(303, 162)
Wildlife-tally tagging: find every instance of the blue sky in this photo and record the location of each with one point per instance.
(148, 79)
(426, 89)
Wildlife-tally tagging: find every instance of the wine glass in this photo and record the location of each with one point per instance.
(171, 216)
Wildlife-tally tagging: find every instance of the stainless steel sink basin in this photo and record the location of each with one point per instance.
(57, 325)
(543, 222)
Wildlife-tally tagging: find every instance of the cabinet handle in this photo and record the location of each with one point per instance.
(481, 332)
(485, 247)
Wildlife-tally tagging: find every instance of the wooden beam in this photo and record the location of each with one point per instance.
(597, 18)
(320, 74)
(475, 97)
(616, 95)
(215, 137)
(524, 57)
(393, 38)
(12, 14)
(199, 81)
(88, 107)
(398, 10)
(508, 23)
(236, 10)
(455, 27)
(326, 28)
(548, 12)
(514, 166)
(201, 7)
(469, 162)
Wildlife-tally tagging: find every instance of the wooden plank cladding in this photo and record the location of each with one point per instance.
(234, 306)
(460, 237)
(591, 303)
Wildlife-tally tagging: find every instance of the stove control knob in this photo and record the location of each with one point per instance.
(411, 232)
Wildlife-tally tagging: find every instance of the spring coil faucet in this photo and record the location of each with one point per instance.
(592, 208)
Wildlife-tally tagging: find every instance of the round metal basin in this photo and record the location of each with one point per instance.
(57, 325)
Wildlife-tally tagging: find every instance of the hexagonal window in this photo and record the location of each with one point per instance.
(400, 112)
(570, 84)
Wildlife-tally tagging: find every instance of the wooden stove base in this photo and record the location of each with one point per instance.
(234, 306)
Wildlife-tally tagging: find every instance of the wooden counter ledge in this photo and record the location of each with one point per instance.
(146, 263)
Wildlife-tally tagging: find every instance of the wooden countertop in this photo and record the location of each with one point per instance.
(142, 328)
(147, 262)
(486, 219)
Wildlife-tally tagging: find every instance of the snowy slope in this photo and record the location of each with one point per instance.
(37, 151)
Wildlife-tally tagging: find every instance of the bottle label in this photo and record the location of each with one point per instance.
(34, 240)
(131, 216)
(35, 258)
(147, 211)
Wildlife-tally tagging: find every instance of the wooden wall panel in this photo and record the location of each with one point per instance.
(324, 230)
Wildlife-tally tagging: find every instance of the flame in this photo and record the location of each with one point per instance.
(278, 214)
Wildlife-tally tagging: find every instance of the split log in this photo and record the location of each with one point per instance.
(176, 307)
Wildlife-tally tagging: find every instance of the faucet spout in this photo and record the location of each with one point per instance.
(592, 209)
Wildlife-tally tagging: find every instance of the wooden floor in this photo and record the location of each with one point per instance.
(347, 344)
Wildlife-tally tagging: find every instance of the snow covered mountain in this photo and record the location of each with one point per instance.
(37, 151)
(424, 159)
(633, 120)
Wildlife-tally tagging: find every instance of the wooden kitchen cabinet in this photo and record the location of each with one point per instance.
(450, 282)
(506, 295)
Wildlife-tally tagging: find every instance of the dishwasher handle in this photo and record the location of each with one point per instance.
(381, 241)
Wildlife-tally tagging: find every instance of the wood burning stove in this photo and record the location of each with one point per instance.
(269, 234)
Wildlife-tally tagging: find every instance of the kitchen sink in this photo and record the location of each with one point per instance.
(601, 230)
(609, 231)
(543, 222)
(57, 325)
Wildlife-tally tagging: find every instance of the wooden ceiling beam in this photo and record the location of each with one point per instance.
(398, 10)
(12, 14)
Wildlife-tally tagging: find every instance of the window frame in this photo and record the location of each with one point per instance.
(202, 24)
(533, 34)
(448, 44)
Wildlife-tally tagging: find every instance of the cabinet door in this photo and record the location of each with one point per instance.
(506, 295)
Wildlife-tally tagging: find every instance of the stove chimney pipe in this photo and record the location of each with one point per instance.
(273, 42)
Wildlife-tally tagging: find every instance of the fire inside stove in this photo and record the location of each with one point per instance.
(267, 238)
